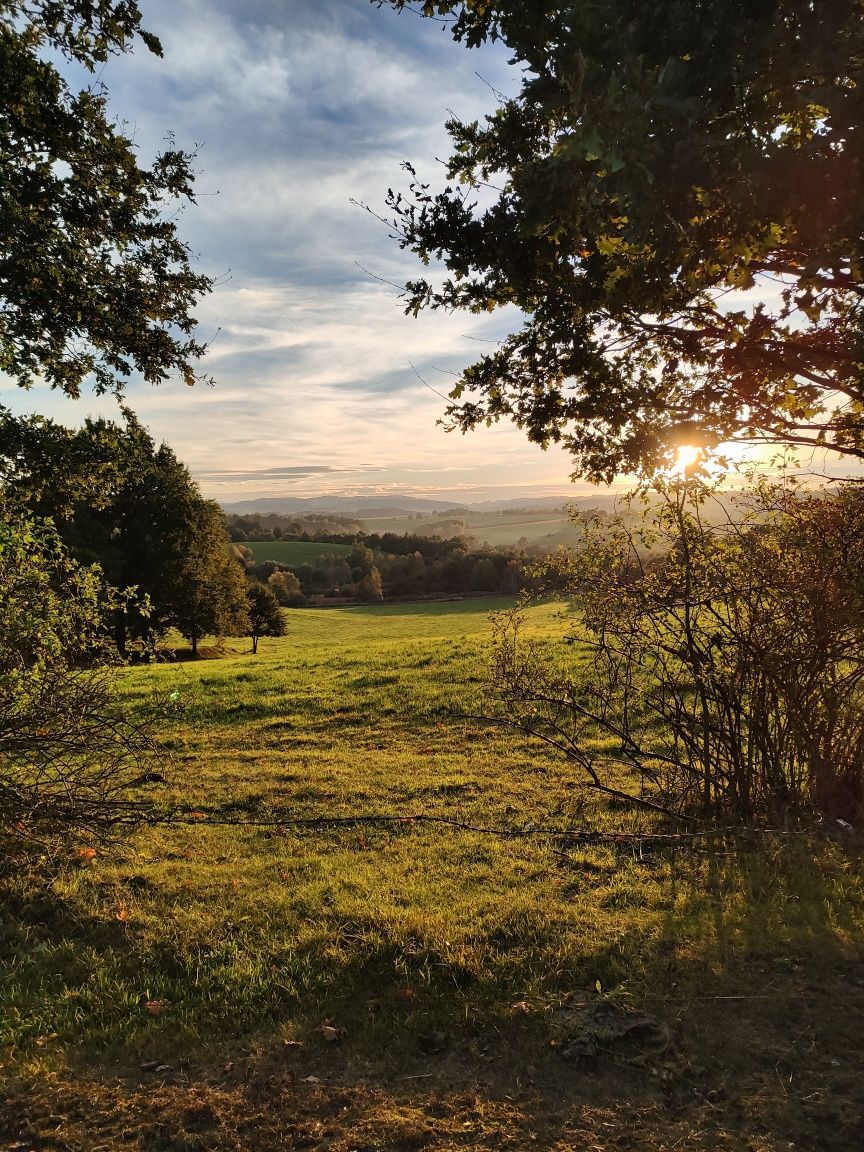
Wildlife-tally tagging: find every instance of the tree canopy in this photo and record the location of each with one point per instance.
(94, 279)
(673, 200)
(119, 500)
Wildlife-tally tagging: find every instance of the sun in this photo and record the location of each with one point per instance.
(688, 456)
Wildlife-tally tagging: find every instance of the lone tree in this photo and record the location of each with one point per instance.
(265, 615)
(208, 586)
(94, 280)
(673, 200)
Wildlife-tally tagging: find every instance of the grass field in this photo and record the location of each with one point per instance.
(293, 551)
(401, 986)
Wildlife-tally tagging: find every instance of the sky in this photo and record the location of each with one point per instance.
(297, 109)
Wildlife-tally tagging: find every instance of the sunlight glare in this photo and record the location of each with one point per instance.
(688, 456)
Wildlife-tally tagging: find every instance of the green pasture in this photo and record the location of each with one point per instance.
(229, 983)
(293, 552)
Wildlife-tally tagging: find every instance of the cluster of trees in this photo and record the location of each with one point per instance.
(119, 501)
(374, 569)
(276, 526)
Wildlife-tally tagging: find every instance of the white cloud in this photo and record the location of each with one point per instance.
(301, 107)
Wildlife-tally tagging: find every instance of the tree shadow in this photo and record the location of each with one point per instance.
(751, 969)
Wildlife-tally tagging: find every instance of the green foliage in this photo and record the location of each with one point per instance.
(719, 664)
(94, 279)
(119, 500)
(265, 614)
(207, 585)
(69, 750)
(659, 161)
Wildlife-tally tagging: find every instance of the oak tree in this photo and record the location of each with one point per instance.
(672, 198)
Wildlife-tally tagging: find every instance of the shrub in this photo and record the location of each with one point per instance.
(69, 753)
(717, 667)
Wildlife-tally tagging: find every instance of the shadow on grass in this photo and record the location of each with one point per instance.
(752, 967)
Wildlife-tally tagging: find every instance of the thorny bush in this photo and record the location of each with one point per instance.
(714, 667)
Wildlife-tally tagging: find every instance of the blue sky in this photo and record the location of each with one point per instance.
(298, 107)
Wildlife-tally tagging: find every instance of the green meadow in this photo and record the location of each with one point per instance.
(234, 981)
(293, 551)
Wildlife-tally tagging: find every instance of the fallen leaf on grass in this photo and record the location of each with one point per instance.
(122, 914)
(311, 1080)
(331, 1033)
(156, 1007)
(523, 1006)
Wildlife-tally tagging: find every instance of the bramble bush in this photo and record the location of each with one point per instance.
(715, 666)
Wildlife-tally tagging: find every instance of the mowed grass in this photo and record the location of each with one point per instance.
(293, 551)
(232, 983)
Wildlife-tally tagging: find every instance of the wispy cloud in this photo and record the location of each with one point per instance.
(299, 108)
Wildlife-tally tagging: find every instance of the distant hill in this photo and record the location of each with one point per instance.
(379, 507)
(362, 506)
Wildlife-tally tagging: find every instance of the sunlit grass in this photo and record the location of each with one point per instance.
(202, 943)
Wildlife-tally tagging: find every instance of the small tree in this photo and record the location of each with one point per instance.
(370, 587)
(69, 751)
(265, 615)
(208, 588)
(286, 588)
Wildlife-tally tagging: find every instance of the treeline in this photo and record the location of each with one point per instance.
(128, 509)
(260, 526)
(393, 566)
